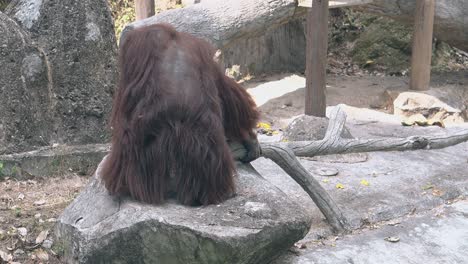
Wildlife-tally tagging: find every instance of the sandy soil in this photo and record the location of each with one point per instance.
(30, 207)
(281, 96)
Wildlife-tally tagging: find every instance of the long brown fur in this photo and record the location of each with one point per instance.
(172, 115)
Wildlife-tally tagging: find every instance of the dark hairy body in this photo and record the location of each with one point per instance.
(173, 113)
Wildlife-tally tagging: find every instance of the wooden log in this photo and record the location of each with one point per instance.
(284, 154)
(316, 58)
(144, 9)
(223, 22)
(286, 159)
(332, 143)
(342, 146)
(336, 3)
(422, 45)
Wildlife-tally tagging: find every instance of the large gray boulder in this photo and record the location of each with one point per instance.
(25, 103)
(309, 128)
(269, 36)
(254, 36)
(411, 104)
(253, 227)
(76, 63)
(279, 48)
(451, 17)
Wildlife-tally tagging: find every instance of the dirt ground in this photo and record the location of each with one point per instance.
(281, 97)
(28, 209)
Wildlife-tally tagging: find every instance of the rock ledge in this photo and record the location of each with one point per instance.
(253, 227)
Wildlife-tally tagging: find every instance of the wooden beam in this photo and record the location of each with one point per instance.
(336, 3)
(316, 58)
(422, 45)
(144, 9)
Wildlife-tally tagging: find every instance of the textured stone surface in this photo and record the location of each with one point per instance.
(451, 17)
(74, 69)
(439, 236)
(409, 104)
(400, 183)
(24, 91)
(385, 42)
(53, 161)
(306, 128)
(256, 49)
(253, 227)
(277, 49)
(254, 36)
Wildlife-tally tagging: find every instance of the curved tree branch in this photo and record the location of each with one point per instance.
(284, 154)
(334, 144)
(286, 159)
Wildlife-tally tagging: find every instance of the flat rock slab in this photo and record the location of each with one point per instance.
(52, 161)
(439, 236)
(386, 186)
(253, 227)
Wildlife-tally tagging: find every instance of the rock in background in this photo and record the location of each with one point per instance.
(309, 128)
(278, 49)
(358, 42)
(430, 109)
(383, 44)
(362, 43)
(450, 24)
(254, 36)
(25, 103)
(75, 69)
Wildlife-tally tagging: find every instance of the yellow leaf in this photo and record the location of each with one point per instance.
(326, 180)
(364, 182)
(427, 187)
(275, 132)
(265, 126)
(284, 140)
(339, 186)
(437, 192)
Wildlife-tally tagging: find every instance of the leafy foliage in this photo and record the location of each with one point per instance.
(123, 12)
(3, 4)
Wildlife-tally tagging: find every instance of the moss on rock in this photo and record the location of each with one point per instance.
(384, 45)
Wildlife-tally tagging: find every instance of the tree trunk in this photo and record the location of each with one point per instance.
(316, 61)
(422, 45)
(144, 9)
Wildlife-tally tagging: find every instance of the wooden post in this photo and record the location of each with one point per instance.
(144, 9)
(316, 58)
(422, 45)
